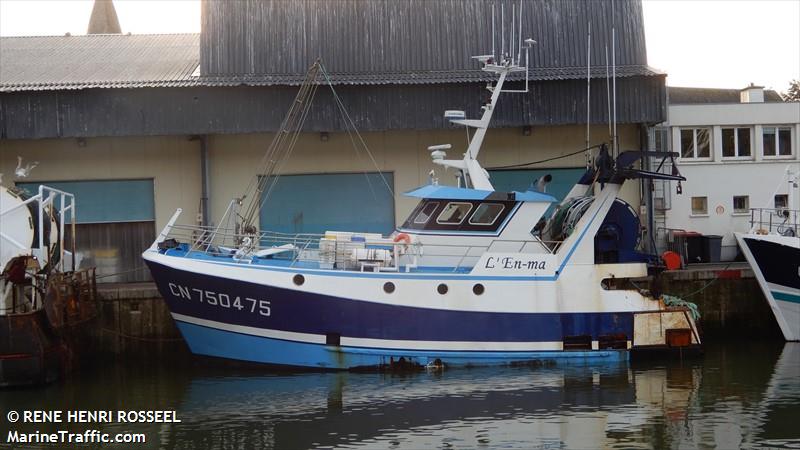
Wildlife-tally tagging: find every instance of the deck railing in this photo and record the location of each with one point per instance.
(334, 250)
(783, 221)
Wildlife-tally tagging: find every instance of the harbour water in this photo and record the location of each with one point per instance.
(738, 395)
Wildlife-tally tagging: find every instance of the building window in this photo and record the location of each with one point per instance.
(661, 136)
(454, 213)
(741, 204)
(736, 142)
(695, 143)
(699, 206)
(777, 141)
(781, 201)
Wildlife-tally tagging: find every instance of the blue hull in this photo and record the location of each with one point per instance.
(225, 344)
(296, 328)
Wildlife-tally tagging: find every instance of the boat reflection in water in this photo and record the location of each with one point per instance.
(614, 405)
(737, 396)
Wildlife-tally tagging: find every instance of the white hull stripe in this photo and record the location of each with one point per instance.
(376, 343)
(252, 331)
(783, 289)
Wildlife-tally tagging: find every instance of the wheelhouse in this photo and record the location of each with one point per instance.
(449, 209)
(459, 215)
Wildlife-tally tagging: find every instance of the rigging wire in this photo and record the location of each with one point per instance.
(281, 146)
(513, 166)
(266, 158)
(588, 89)
(347, 128)
(285, 140)
(293, 142)
(352, 126)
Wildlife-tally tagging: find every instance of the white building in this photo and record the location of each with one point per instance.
(735, 148)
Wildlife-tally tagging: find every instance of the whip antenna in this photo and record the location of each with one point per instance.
(588, 89)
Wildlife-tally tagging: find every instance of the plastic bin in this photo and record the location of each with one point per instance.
(712, 248)
(679, 243)
(695, 249)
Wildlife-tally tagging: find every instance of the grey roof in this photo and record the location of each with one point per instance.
(690, 95)
(169, 60)
(100, 60)
(411, 41)
(363, 42)
(424, 77)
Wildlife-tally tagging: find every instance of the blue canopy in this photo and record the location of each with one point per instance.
(453, 193)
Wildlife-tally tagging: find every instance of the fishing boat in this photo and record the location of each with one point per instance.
(473, 276)
(42, 298)
(772, 247)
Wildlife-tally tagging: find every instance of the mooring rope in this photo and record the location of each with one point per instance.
(120, 273)
(138, 338)
(709, 283)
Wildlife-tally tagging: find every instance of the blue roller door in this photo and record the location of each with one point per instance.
(116, 222)
(316, 203)
(106, 201)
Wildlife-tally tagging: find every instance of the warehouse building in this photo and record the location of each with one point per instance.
(139, 125)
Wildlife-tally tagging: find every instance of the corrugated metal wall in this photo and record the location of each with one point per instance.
(168, 111)
(391, 37)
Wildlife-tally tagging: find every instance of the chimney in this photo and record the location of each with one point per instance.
(104, 18)
(752, 94)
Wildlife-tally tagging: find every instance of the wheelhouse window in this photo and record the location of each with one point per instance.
(426, 213)
(736, 142)
(741, 204)
(454, 213)
(486, 214)
(459, 214)
(695, 143)
(777, 141)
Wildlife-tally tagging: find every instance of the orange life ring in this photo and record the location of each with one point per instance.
(403, 237)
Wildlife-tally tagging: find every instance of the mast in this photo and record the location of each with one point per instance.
(478, 178)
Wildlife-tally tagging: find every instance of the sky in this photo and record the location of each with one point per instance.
(698, 43)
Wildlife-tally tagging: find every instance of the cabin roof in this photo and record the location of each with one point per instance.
(432, 191)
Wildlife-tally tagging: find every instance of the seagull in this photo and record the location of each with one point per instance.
(23, 172)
